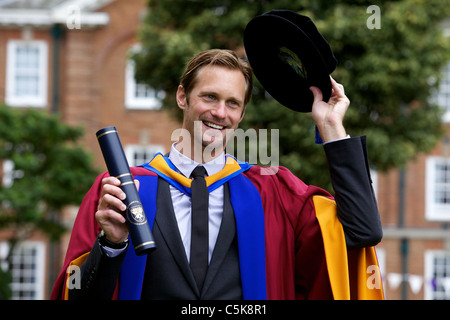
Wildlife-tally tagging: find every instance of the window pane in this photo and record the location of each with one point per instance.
(140, 95)
(443, 95)
(27, 271)
(442, 185)
(27, 71)
(140, 154)
(26, 80)
(440, 282)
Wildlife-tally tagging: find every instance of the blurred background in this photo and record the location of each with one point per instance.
(71, 67)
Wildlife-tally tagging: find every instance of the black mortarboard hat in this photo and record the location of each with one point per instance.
(288, 55)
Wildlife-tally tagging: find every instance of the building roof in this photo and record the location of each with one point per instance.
(29, 4)
(45, 13)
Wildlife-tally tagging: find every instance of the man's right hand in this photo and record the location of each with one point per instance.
(110, 210)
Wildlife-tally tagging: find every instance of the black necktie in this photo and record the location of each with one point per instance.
(199, 231)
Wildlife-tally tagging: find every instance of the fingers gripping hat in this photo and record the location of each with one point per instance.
(288, 55)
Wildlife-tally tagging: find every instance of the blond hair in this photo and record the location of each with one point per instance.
(217, 57)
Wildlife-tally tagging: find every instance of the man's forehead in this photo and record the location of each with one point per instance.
(212, 69)
(213, 75)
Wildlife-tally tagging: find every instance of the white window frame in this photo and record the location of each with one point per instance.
(35, 271)
(153, 100)
(134, 153)
(439, 282)
(436, 211)
(442, 96)
(11, 98)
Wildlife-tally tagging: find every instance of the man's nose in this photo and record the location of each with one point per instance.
(220, 110)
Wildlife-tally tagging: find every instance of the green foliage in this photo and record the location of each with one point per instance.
(5, 280)
(50, 171)
(388, 73)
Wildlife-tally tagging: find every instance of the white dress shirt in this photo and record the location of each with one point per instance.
(182, 202)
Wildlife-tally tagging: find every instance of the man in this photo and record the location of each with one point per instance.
(269, 235)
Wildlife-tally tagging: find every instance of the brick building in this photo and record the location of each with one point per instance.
(73, 58)
(414, 203)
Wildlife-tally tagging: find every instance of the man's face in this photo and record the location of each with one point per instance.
(216, 103)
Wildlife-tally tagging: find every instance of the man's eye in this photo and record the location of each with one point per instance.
(233, 103)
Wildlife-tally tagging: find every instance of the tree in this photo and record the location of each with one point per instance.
(389, 72)
(49, 171)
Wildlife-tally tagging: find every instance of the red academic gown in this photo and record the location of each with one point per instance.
(304, 244)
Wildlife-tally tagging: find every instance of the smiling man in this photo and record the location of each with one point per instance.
(216, 95)
(267, 234)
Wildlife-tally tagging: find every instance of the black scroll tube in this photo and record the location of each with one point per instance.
(117, 164)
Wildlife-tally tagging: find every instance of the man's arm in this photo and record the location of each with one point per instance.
(356, 204)
(349, 169)
(100, 271)
(99, 274)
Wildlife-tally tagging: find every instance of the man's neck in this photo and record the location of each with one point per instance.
(186, 164)
(197, 153)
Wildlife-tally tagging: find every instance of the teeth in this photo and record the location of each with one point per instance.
(214, 126)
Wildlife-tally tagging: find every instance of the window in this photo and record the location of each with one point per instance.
(442, 96)
(27, 269)
(438, 189)
(26, 73)
(437, 275)
(140, 154)
(139, 95)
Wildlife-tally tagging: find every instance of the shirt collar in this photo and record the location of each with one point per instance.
(186, 165)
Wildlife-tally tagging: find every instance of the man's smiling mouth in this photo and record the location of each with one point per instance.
(213, 125)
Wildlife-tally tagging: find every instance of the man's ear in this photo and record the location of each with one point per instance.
(181, 97)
